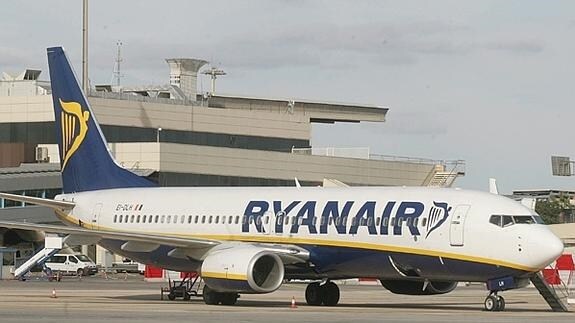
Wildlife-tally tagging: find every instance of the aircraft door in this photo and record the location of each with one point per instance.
(457, 226)
(96, 215)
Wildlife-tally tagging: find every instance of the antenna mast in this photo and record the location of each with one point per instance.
(117, 70)
(214, 72)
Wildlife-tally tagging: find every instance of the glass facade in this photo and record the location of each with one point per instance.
(43, 132)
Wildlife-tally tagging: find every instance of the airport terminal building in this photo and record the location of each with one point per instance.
(178, 137)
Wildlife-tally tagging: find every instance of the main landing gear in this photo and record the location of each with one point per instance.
(211, 297)
(494, 302)
(322, 294)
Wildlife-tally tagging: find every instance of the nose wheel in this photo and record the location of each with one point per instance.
(494, 303)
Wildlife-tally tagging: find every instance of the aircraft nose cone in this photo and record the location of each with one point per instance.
(549, 247)
(555, 247)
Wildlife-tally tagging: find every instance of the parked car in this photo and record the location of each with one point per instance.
(78, 264)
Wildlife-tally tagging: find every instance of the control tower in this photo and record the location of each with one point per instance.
(184, 74)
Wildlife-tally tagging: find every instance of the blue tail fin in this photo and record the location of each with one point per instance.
(86, 162)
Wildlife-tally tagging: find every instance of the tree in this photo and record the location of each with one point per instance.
(552, 210)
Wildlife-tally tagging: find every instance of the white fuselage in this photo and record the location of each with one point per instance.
(447, 224)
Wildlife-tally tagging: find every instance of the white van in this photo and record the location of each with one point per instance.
(78, 264)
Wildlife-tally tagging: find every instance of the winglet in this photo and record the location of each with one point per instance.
(493, 186)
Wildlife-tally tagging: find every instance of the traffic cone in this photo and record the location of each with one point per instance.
(293, 305)
(54, 293)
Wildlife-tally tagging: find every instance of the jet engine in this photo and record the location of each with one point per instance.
(410, 287)
(243, 269)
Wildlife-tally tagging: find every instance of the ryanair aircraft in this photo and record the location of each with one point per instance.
(414, 240)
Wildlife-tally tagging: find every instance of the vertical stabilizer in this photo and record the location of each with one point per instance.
(86, 162)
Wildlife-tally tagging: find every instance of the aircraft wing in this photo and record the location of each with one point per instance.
(126, 236)
(195, 248)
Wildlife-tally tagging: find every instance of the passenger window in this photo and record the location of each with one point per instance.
(377, 221)
(286, 220)
(423, 222)
(408, 221)
(267, 219)
(196, 218)
(150, 218)
(190, 219)
(259, 220)
(386, 221)
(369, 221)
(163, 218)
(210, 219)
(182, 219)
(138, 219)
(507, 220)
(415, 222)
(237, 219)
(157, 219)
(231, 219)
(217, 219)
(392, 222)
(203, 219)
(169, 219)
(132, 219)
(338, 221)
(73, 259)
(115, 218)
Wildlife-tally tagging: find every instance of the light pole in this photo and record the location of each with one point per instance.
(158, 134)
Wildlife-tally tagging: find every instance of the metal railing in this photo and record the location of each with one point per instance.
(457, 166)
(139, 98)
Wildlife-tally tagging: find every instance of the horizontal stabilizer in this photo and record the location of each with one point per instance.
(60, 205)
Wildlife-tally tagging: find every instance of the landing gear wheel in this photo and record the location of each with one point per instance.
(210, 296)
(491, 303)
(330, 294)
(314, 294)
(171, 296)
(500, 303)
(229, 298)
(186, 296)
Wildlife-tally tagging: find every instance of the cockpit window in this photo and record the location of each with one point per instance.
(507, 220)
(495, 219)
(538, 219)
(526, 219)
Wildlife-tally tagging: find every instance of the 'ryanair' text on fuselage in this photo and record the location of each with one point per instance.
(335, 214)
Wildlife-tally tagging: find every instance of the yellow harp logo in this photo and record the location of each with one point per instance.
(74, 128)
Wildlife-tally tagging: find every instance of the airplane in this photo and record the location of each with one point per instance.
(414, 240)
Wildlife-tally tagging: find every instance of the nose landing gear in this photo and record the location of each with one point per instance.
(317, 294)
(494, 302)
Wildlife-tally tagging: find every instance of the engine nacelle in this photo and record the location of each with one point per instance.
(243, 269)
(410, 287)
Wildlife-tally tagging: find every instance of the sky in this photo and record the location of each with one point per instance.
(488, 82)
